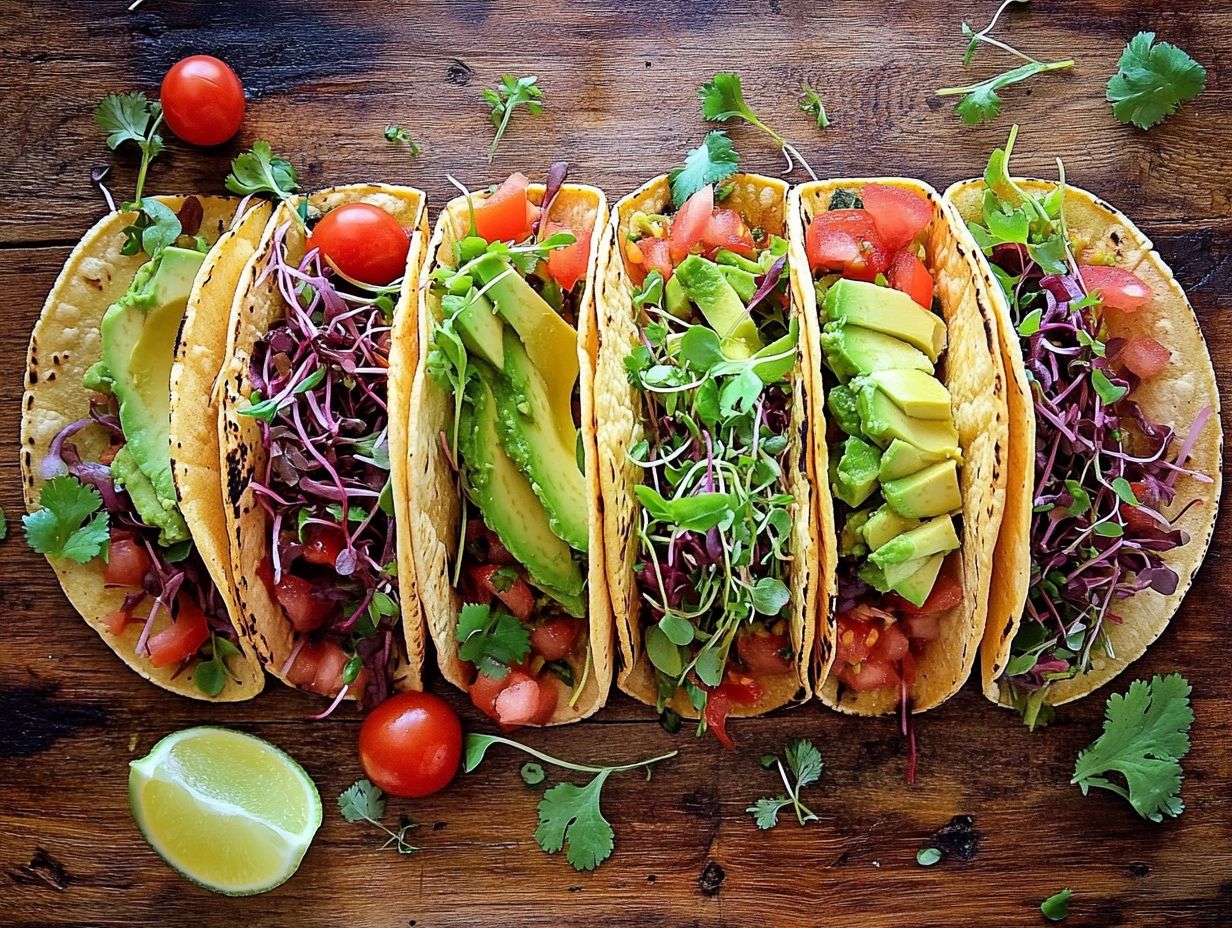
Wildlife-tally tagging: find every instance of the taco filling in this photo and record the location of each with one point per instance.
(320, 379)
(506, 350)
(122, 450)
(893, 448)
(1105, 471)
(713, 373)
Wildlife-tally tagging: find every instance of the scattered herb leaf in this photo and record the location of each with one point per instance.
(1152, 81)
(60, 528)
(509, 94)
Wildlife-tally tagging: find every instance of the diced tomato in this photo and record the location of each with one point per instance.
(556, 638)
(845, 240)
(548, 694)
(726, 229)
(1136, 521)
(505, 215)
(741, 690)
(946, 594)
(497, 552)
(891, 645)
(689, 223)
(116, 622)
(1117, 287)
(1145, 357)
(517, 703)
(922, 627)
(656, 256)
(868, 675)
(762, 652)
(906, 668)
(127, 561)
(299, 600)
(323, 544)
(854, 640)
(328, 678)
(518, 596)
(483, 692)
(898, 213)
(568, 265)
(181, 639)
(908, 274)
(303, 669)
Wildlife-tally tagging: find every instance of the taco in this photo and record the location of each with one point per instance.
(912, 464)
(119, 457)
(1114, 422)
(503, 471)
(704, 440)
(313, 434)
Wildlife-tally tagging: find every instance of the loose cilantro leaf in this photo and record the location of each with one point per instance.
(981, 103)
(398, 136)
(810, 102)
(1152, 81)
(491, 640)
(723, 99)
(1146, 733)
(927, 856)
(509, 94)
(60, 528)
(364, 802)
(132, 117)
(712, 161)
(765, 812)
(804, 761)
(4, 525)
(1056, 907)
(260, 171)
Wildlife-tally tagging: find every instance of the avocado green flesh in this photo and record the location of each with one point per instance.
(509, 504)
(744, 283)
(901, 458)
(139, 335)
(882, 421)
(936, 536)
(851, 539)
(675, 299)
(481, 329)
(930, 492)
(524, 422)
(708, 288)
(916, 587)
(883, 525)
(882, 309)
(917, 393)
(725, 257)
(851, 351)
(153, 511)
(855, 472)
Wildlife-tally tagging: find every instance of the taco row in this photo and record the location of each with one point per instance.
(731, 447)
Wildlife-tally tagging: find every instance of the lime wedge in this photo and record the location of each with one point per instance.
(227, 810)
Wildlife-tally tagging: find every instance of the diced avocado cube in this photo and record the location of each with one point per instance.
(883, 421)
(882, 309)
(871, 574)
(676, 301)
(854, 476)
(930, 492)
(729, 258)
(851, 351)
(885, 524)
(936, 536)
(917, 587)
(851, 539)
(481, 329)
(744, 283)
(902, 458)
(917, 393)
(896, 573)
(841, 403)
(708, 289)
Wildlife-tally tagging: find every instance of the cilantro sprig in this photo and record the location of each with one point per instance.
(364, 802)
(714, 160)
(805, 763)
(723, 99)
(69, 524)
(570, 816)
(132, 117)
(508, 95)
(1146, 734)
(810, 102)
(981, 101)
(1152, 81)
(397, 135)
(491, 640)
(261, 172)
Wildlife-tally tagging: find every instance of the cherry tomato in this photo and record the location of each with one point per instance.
(506, 214)
(1117, 288)
(689, 223)
(364, 242)
(868, 675)
(898, 213)
(908, 274)
(726, 229)
(203, 100)
(306, 611)
(517, 595)
(410, 745)
(181, 639)
(568, 265)
(127, 561)
(845, 240)
(556, 638)
(323, 544)
(1145, 357)
(762, 652)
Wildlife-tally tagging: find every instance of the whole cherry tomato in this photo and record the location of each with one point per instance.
(410, 744)
(203, 100)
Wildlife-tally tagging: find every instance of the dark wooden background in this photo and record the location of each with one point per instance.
(325, 77)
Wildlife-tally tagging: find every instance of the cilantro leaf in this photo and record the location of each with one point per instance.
(397, 135)
(1146, 733)
(765, 812)
(362, 801)
(156, 227)
(570, 817)
(491, 640)
(981, 103)
(723, 99)
(1152, 81)
(132, 117)
(805, 762)
(260, 171)
(57, 529)
(712, 161)
(509, 94)
(1056, 907)
(810, 102)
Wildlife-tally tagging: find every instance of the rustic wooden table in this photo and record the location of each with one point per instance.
(325, 77)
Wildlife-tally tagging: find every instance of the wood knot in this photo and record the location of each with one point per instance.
(711, 880)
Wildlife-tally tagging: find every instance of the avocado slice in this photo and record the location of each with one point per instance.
(884, 524)
(524, 422)
(509, 505)
(841, 403)
(917, 393)
(675, 299)
(139, 334)
(892, 312)
(851, 539)
(727, 257)
(171, 526)
(882, 421)
(936, 536)
(550, 342)
(902, 458)
(719, 302)
(854, 474)
(481, 329)
(744, 283)
(851, 351)
(932, 491)
(917, 587)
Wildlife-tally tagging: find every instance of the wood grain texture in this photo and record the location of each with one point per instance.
(325, 77)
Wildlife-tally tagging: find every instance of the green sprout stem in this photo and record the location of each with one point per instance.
(1038, 67)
